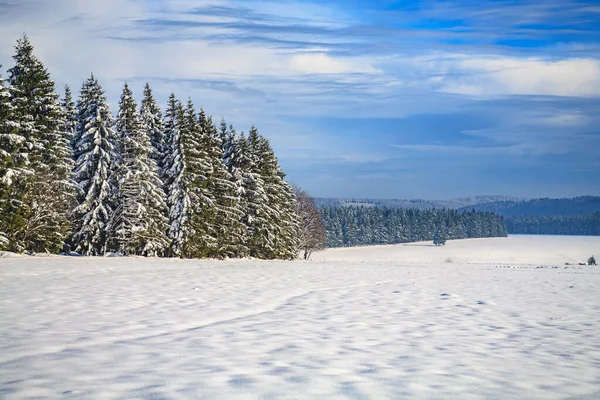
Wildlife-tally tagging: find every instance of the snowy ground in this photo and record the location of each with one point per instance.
(485, 318)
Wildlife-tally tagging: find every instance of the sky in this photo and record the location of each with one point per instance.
(359, 98)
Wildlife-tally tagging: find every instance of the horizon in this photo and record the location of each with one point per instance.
(439, 100)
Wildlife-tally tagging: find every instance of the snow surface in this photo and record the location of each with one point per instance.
(483, 318)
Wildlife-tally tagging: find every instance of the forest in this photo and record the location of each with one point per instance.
(363, 226)
(75, 178)
(580, 225)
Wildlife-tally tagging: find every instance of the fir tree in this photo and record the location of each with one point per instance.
(174, 163)
(243, 163)
(70, 116)
(138, 225)
(46, 197)
(281, 200)
(202, 241)
(227, 215)
(36, 107)
(151, 118)
(273, 222)
(13, 172)
(95, 160)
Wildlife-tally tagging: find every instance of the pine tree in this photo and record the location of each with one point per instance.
(13, 172)
(174, 163)
(281, 200)
(151, 118)
(70, 116)
(95, 160)
(46, 197)
(202, 241)
(242, 163)
(138, 225)
(274, 222)
(227, 215)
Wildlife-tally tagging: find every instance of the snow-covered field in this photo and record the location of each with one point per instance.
(484, 318)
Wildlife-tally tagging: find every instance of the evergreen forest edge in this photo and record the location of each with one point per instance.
(172, 185)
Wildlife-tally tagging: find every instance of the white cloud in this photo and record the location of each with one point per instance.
(324, 64)
(514, 76)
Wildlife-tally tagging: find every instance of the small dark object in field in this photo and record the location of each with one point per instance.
(591, 261)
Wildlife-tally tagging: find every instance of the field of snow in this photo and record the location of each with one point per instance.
(482, 319)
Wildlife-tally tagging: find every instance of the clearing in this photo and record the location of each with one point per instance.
(481, 318)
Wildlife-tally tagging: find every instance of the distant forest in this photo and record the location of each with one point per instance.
(541, 207)
(543, 216)
(585, 225)
(362, 226)
(567, 216)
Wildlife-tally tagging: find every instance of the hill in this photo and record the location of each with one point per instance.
(540, 207)
(420, 204)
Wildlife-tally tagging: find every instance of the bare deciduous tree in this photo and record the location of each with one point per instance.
(312, 234)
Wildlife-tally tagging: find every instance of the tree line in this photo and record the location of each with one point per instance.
(75, 177)
(362, 226)
(583, 224)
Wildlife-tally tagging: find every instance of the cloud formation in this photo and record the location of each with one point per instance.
(479, 80)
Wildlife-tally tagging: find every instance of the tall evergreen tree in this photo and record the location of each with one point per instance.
(95, 160)
(13, 172)
(151, 118)
(242, 162)
(174, 163)
(228, 229)
(202, 241)
(70, 116)
(138, 225)
(279, 236)
(46, 198)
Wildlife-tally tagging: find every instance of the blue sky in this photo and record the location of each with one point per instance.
(381, 99)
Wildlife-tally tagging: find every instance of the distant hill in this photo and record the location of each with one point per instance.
(414, 203)
(564, 216)
(540, 207)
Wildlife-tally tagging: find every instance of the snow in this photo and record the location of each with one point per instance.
(503, 318)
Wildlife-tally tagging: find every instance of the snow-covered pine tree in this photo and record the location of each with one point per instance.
(95, 159)
(48, 194)
(260, 216)
(280, 238)
(236, 156)
(202, 240)
(174, 165)
(151, 118)
(241, 161)
(138, 225)
(224, 134)
(228, 228)
(69, 116)
(13, 171)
